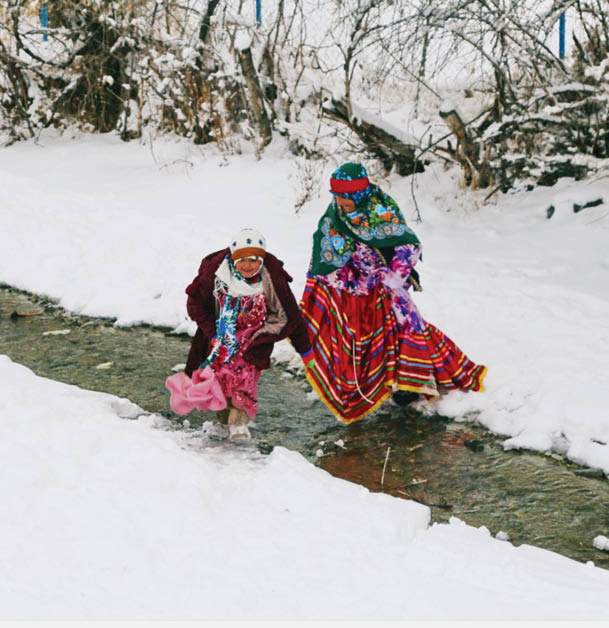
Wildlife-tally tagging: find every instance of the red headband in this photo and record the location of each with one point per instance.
(340, 186)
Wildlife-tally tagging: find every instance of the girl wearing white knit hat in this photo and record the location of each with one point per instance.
(242, 304)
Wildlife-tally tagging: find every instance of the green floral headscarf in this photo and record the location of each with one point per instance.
(376, 221)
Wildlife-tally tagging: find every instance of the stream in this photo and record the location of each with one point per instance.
(457, 469)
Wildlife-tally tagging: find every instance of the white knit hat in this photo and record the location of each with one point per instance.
(247, 243)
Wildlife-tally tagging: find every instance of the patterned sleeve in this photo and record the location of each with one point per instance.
(405, 259)
(396, 281)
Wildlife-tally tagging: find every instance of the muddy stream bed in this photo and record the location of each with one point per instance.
(457, 469)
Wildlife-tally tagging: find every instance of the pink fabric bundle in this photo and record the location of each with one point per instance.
(202, 392)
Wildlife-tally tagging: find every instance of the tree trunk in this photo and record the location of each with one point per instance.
(256, 98)
(467, 153)
(205, 26)
(19, 98)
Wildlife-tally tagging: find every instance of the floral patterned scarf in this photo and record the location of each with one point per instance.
(224, 345)
(377, 222)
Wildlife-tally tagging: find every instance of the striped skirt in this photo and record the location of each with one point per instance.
(361, 355)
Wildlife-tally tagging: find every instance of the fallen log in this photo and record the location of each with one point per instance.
(387, 148)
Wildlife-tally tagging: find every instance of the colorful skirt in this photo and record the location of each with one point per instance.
(361, 354)
(239, 381)
(234, 384)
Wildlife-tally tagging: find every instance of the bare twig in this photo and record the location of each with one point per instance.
(385, 466)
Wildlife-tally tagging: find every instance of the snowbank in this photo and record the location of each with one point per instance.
(107, 517)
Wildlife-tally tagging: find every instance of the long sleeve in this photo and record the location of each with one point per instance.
(300, 336)
(405, 259)
(395, 279)
(201, 307)
(294, 326)
(201, 303)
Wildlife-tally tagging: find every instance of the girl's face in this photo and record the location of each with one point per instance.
(248, 266)
(346, 205)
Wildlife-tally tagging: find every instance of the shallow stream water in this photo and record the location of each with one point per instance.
(457, 469)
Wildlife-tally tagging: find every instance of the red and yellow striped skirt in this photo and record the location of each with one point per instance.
(361, 354)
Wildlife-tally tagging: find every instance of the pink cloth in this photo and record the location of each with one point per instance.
(211, 388)
(202, 392)
(239, 381)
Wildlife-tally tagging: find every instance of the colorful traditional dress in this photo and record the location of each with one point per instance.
(224, 378)
(238, 378)
(368, 336)
(238, 322)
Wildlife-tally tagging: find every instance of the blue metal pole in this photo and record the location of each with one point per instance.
(259, 13)
(44, 19)
(562, 23)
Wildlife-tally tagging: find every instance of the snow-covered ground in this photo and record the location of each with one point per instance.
(109, 518)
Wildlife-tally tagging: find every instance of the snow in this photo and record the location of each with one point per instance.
(448, 106)
(106, 515)
(243, 41)
(601, 542)
(107, 518)
(362, 114)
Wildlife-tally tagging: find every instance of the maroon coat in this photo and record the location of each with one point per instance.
(201, 307)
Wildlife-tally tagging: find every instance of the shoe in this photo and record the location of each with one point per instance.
(217, 431)
(404, 397)
(239, 432)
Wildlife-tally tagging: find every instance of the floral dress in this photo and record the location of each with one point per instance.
(238, 378)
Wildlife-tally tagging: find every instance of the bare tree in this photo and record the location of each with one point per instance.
(181, 66)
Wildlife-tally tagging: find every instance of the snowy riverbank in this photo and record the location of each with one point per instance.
(107, 230)
(108, 517)
(115, 518)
